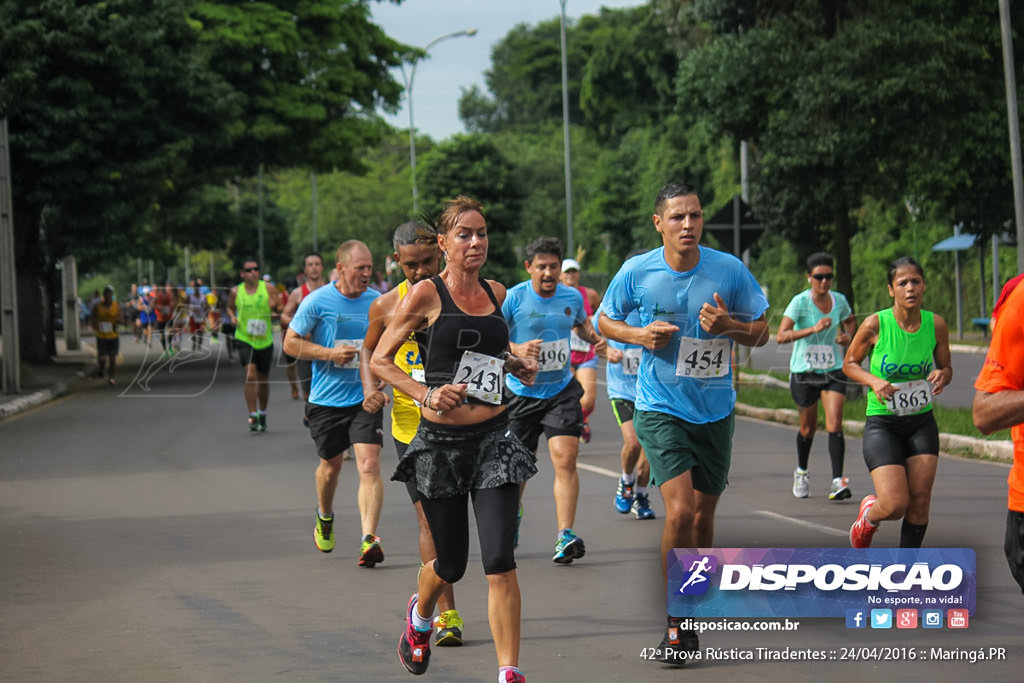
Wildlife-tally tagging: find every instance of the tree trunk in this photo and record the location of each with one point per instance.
(844, 229)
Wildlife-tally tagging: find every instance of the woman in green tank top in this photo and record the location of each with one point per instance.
(910, 364)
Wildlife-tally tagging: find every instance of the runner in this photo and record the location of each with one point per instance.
(328, 328)
(583, 357)
(250, 307)
(820, 324)
(910, 363)
(417, 253)
(541, 314)
(631, 493)
(104, 316)
(313, 269)
(694, 302)
(463, 447)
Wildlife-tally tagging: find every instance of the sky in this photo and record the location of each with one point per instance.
(459, 63)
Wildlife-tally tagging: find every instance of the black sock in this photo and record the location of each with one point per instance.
(912, 535)
(803, 450)
(836, 452)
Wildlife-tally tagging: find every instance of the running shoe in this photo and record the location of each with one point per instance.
(569, 547)
(623, 496)
(370, 552)
(676, 645)
(263, 422)
(254, 422)
(585, 436)
(519, 522)
(642, 507)
(862, 530)
(840, 489)
(449, 629)
(414, 646)
(323, 533)
(801, 483)
(511, 675)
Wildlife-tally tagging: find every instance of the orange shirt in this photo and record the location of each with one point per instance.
(1004, 369)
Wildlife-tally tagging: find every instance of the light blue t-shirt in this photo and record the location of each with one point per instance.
(330, 318)
(550, 319)
(703, 390)
(818, 352)
(621, 377)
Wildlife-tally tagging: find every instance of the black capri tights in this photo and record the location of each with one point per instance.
(495, 511)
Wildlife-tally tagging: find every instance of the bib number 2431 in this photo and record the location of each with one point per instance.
(482, 375)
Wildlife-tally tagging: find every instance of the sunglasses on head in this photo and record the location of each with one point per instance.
(250, 270)
(821, 277)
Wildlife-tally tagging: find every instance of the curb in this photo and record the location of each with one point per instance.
(1000, 451)
(29, 401)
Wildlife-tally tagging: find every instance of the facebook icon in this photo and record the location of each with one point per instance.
(856, 618)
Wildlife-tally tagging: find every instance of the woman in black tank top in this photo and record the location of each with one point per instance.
(463, 447)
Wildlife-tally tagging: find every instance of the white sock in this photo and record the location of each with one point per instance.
(502, 670)
(628, 478)
(640, 490)
(419, 623)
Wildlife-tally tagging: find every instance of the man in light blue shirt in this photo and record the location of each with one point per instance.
(541, 313)
(693, 302)
(328, 328)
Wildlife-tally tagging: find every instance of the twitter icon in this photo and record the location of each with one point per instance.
(881, 618)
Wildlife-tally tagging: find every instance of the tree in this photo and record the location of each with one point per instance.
(843, 101)
(471, 165)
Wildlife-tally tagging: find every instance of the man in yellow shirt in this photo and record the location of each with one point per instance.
(104, 320)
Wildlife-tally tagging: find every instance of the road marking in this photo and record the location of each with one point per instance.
(799, 522)
(597, 470)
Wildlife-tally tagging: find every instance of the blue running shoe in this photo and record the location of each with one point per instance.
(642, 507)
(623, 496)
(569, 547)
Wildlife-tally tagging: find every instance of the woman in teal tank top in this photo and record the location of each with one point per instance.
(910, 364)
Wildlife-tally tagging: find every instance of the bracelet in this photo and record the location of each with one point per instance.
(426, 398)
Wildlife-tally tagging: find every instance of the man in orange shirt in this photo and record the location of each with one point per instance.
(999, 404)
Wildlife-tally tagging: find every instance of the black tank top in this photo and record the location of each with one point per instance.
(455, 331)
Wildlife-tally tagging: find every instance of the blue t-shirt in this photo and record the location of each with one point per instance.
(621, 377)
(700, 390)
(330, 318)
(550, 319)
(819, 352)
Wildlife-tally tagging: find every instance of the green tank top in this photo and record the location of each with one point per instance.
(254, 326)
(901, 356)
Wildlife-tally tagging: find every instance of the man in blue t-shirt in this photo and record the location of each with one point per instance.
(541, 315)
(693, 302)
(328, 328)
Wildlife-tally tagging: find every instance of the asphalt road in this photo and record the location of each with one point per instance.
(147, 536)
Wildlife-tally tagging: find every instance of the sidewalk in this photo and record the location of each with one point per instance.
(69, 372)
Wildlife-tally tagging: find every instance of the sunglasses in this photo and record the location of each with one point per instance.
(821, 277)
(253, 270)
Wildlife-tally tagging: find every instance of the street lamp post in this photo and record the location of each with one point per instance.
(469, 32)
(565, 134)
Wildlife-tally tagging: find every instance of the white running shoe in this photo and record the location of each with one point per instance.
(801, 483)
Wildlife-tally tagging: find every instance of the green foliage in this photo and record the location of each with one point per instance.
(472, 165)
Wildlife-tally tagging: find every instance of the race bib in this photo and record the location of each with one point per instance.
(910, 397)
(820, 356)
(106, 327)
(554, 355)
(631, 360)
(353, 363)
(255, 327)
(577, 343)
(702, 358)
(482, 376)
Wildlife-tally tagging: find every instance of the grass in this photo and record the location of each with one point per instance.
(951, 420)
